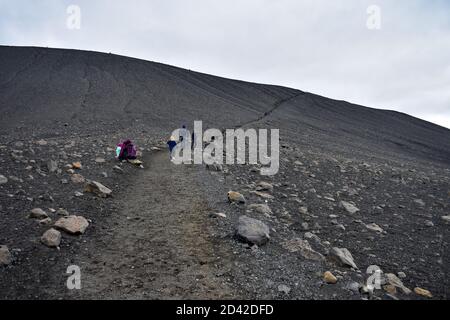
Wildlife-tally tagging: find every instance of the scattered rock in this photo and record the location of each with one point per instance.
(252, 231)
(342, 257)
(77, 165)
(329, 198)
(303, 210)
(5, 256)
(419, 202)
(41, 142)
(260, 208)
(304, 248)
(378, 210)
(38, 213)
(52, 166)
(309, 235)
(118, 169)
(264, 186)
(374, 227)
(47, 197)
(351, 192)
(446, 218)
(3, 179)
(72, 224)
(350, 208)
(45, 222)
(62, 212)
(305, 226)
(393, 280)
(353, 286)
(98, 189)
(329, 278)
(100, 160)
(217, 215)
(77, 178)
(51, 238)
(390, 289)
(423, 292)
(429, 223)
(263, 195)
(284, 288)
(235, 197)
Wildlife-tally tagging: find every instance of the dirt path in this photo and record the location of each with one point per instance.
(160, 246)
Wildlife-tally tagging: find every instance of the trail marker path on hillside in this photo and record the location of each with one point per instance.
(160, 247)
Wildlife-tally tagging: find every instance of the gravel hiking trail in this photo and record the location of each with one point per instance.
(160, 246)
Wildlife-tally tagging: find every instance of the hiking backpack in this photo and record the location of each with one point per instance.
(126, 150)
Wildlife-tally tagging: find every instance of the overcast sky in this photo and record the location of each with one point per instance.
(320, 46)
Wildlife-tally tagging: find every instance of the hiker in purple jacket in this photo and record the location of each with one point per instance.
(126, 150)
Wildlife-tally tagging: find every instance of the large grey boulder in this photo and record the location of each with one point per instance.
(98, 189)
(72, 224)
(51, 238)
(342, 257)
(252, 231)
(349, 207)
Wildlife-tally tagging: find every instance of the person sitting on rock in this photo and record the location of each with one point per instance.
(126, 151)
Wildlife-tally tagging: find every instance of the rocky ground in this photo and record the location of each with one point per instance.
(390, 216)
(170, 231)
(358, 190)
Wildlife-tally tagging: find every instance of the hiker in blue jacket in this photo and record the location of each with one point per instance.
(172, 143)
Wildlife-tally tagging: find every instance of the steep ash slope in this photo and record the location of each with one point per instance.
(63, 106)
(89, 89)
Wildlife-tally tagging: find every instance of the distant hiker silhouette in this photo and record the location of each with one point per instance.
(184, 137)
(192, 140)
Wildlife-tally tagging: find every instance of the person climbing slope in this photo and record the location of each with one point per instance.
(172, 143)
(184, 136)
